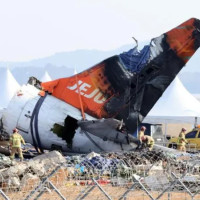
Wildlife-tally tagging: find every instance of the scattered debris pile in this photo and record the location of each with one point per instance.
(154, 169)
(140, 163)
(4, 161)
(19, 174)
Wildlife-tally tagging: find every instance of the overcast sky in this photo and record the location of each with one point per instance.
(32, 29)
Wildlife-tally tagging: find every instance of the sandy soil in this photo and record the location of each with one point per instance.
(72, 192)
(76, 189)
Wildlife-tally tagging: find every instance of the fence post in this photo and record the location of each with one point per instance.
(3, 195)
(169, 196)
(52, 186)
(43, 182)
(101, 189)
(127, 191)
(182, 184)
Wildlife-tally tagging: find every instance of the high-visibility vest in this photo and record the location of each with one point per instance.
(182, 135)
(140, 134)
(150, 140)
(16, 139)
(181, 139)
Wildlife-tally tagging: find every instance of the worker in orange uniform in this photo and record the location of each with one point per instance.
(181, 140)
(148, 141)
(15, 143)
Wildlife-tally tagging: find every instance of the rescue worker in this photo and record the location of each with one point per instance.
(181, 140)
(148, 141)
(15, 143)
(141, 133)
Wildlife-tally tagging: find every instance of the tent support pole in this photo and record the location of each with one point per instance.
(165, 133)
(195, 122)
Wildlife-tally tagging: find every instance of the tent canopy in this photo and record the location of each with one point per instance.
(46, 77)
(8, 87)
(176, 105)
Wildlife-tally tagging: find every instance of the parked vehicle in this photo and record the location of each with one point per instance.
(192, 137)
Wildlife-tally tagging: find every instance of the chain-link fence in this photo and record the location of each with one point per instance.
(141, 175)
(190, 147)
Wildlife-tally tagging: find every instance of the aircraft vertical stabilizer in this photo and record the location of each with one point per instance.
(126, 86)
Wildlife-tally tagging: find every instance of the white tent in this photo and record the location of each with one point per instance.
(46, 77)
(8, 87)
(176, 105)
(1, 112)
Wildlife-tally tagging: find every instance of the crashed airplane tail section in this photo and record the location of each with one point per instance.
(126, 86)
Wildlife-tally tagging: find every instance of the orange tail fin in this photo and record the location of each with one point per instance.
(128, 85)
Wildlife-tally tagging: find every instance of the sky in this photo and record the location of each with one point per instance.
(32, 29)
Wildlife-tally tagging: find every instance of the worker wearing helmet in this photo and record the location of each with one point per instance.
(181, 140)
(15, 142)
(148, 141)
(141, 133)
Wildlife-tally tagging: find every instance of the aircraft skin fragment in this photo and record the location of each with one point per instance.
(109, 89)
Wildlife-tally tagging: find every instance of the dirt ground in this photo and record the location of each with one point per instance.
(73, 188)
(72, 192)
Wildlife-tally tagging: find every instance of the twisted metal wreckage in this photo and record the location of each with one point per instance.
(123, 87)
(120, 175)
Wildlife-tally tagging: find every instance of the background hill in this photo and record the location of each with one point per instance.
(63, 64)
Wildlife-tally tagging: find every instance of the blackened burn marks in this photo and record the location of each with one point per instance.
(196, 34)
(146, 87)
(117, 75)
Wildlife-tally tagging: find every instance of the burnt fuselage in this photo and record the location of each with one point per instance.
(127, 89)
